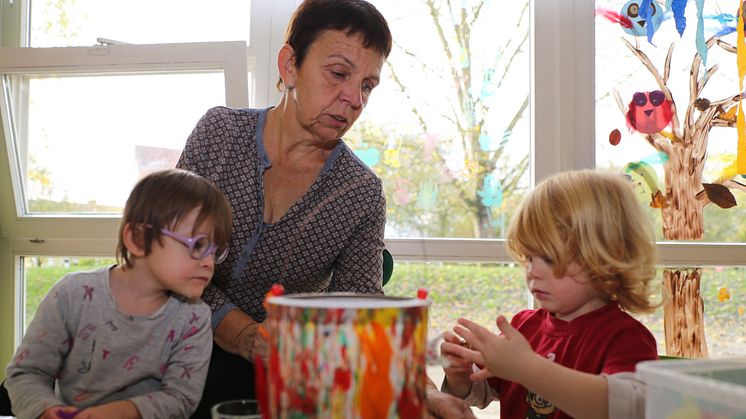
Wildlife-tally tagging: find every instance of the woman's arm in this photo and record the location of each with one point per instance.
(359, 267)
(237, 333)
(445, 406)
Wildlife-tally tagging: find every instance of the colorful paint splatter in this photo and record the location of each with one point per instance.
(347, 359)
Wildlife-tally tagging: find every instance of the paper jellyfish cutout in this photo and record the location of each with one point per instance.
(370, 156)
(649, 112)
(633, 9)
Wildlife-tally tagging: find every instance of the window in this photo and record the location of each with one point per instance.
(665, 111)
(119, 91)
(119, 118)
(528, 95)
(448, 127)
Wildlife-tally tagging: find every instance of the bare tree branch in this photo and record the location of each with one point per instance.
(667, 65)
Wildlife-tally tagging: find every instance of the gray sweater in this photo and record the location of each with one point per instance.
(79, 350)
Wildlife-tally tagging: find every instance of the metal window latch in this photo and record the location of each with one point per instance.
(107, 41)
(36, 240)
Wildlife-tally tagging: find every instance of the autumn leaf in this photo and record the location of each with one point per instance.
(658, 200)
(720, 195)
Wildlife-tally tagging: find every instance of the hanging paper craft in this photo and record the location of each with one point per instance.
(723, 294)
(370, 156)
(615, 137)
(678, 6)
(649, 112)
(644, 16)
(491, 192)
(741, 63)
(401, 194)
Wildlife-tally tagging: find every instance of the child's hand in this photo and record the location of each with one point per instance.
(121, 409)
(504, 356)
(59, 412)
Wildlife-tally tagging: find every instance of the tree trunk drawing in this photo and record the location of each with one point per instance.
(683, 313)
(685, 195)
(681, 219)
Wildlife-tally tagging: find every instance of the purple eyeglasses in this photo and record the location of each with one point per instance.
(199, 246)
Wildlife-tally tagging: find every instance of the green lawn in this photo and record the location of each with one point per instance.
(480, 292)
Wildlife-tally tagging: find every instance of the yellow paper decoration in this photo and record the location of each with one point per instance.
(740, 121)
(391, 157)
(723, 294)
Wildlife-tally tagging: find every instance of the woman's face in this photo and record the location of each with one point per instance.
(333, 84)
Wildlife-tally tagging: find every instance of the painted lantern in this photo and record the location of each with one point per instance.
(346, 356)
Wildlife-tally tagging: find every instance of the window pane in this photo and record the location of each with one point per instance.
(665, 147)
(476, 291)
(482, 291)
(86, 140)
(41, 273)
(723, 292)
(448, 128)
(81, 22)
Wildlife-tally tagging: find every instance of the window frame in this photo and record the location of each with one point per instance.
(89, 235)
(562, 93)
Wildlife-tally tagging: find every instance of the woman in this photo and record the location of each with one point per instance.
(307, 213)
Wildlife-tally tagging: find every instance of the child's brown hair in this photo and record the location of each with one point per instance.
(162, 199)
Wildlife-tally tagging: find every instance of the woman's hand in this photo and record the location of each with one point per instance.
(506, 356)
(445, 406)
(236, 334)
(261, 346)
(456, 368)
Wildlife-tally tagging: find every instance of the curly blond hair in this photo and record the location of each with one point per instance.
(595, 220)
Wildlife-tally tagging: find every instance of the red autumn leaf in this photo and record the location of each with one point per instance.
(615, 136)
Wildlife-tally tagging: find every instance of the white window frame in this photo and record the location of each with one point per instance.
(95, 235)
(562, 138)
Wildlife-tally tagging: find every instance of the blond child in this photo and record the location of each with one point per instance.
(132, 340)
(589, 255)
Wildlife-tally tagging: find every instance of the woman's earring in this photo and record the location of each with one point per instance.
(289, 87)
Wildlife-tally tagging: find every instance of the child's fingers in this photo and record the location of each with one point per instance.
(471, 339)
(451, 337)
(466, 354)
(478, 330)
(506, 328)
(482, 374)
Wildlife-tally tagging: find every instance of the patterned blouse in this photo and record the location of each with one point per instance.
(330, 240)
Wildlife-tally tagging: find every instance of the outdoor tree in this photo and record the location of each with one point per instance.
(458, 153)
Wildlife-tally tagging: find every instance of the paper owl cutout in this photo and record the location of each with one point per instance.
(649, 112)
(631, 11)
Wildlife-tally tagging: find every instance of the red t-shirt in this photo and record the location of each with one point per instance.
(606, 340)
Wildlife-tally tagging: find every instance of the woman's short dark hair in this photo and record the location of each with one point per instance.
(164, 198)
(313, 17)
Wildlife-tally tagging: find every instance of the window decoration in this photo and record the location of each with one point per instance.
(678, 129)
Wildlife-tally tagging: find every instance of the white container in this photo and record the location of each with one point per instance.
(694, 389)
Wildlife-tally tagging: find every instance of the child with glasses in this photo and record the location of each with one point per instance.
(589, 254)
(131, 340)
